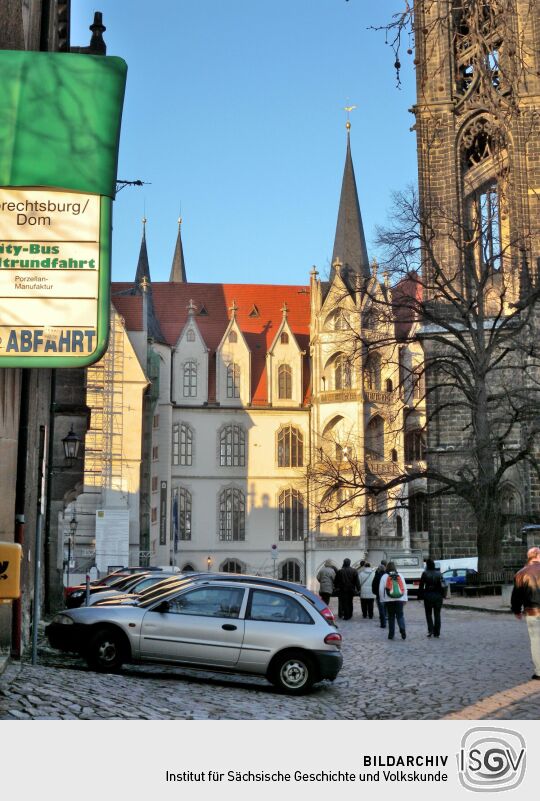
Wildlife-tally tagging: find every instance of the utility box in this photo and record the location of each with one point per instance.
(10, 571)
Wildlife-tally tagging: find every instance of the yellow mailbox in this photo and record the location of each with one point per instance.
(10, 571)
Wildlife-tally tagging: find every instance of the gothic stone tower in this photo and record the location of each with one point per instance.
(477, 123)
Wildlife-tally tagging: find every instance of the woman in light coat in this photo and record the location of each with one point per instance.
(366, 594)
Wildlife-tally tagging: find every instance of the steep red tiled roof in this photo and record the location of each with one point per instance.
(406, 300)
(170, 305)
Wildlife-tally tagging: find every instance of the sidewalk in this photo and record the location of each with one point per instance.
(486, 603)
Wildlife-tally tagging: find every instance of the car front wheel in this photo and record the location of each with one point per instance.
(294, 673)
(106, 651)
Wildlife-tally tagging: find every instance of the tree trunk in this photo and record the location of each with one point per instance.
(489, 538)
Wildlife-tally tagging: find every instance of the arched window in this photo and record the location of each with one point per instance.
(290, 447)
(188, 568)
(418, 383)
(511, 513)
(233, 336)
(342, 372)
(291, 515)
(190, 336)
(232, 566)
(232, 515)
(418, 512)
(182, 444)
(284, 338)
(372, 372)
(190, 379)
(399, 526)
(284, 382)
(232, 446)
(394, 455)
(389, 385)
(233, 380)
(375, 438)
(181, 515)
(290, 570)
(415, 446)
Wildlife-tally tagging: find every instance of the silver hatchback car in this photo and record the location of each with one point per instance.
(237, 626)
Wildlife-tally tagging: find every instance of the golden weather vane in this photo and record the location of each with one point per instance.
(348, 109)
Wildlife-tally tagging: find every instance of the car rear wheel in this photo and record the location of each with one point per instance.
(106, 651)
(293, 672)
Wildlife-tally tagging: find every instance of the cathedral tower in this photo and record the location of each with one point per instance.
(477, 125)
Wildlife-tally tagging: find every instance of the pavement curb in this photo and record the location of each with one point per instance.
(477, 609)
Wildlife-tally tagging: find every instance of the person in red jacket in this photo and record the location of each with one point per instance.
(526, 597)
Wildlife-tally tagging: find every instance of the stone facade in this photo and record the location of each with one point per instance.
(477, 124)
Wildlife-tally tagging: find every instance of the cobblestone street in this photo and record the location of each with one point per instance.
(479, 668)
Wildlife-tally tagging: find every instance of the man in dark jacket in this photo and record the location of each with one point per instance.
(380, 571)
(526, 597)
(347, 584)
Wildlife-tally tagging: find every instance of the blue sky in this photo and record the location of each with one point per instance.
(234, 115)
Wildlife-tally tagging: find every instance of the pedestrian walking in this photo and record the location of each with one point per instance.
(432, 590)
(347, 585)
(375, 584)
(393, 594)
(367, 596)
(526, 597)
(325, 577)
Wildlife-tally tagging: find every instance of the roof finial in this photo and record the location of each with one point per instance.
(192, 308)
(348, 109)
(144, 284)
(285, 309)
(374, 267)
(233, 309)
(337, 265)
(179, 222)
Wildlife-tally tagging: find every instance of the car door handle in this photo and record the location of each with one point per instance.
(229, 627)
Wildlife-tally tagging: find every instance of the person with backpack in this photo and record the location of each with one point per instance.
(432, 590)
(393, 594)
(367, 597)
(375, 584)
(347, 584)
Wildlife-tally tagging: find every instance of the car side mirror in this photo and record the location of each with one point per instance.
(164, 606)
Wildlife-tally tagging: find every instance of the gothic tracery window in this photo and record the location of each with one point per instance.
(232, 515)
(291, 515)
(190, 379)
(232, 446)
(290, 447)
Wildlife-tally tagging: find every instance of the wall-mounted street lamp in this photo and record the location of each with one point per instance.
(73, 523)
(208, 563)
(71, 443)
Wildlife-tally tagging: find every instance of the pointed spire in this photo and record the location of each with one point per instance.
(350, 242)
(143, 267)
(178, 269)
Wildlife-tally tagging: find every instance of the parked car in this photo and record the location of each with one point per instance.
(134, 588)
(459, 575)
(312, 597)
(77, 595)
(236, 626)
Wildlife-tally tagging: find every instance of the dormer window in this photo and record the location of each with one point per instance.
(284, 339)
(190, 336)
(233, 336)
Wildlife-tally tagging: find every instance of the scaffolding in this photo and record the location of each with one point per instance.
(104, 393)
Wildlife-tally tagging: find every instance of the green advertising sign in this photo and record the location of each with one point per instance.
(59, 136)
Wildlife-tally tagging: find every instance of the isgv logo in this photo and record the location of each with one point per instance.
(491, 760)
